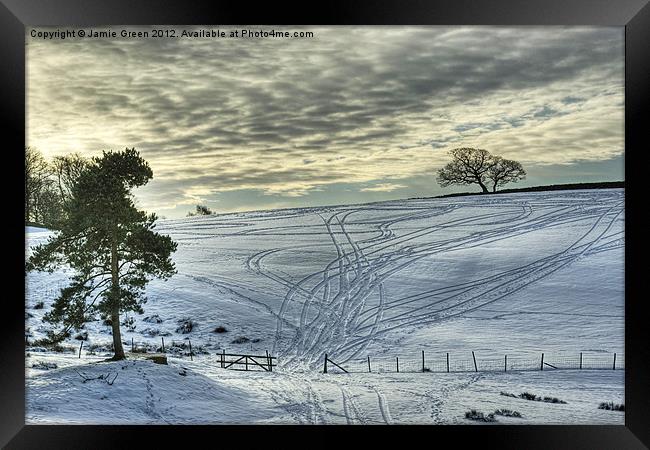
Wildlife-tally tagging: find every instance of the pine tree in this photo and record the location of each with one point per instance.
(109, 243)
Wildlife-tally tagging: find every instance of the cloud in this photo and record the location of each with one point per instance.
(383, 187)
(351, 105)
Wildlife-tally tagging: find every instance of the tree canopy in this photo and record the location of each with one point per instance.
(504, 171)
(478, 166)
(48, 186)
(108, 242)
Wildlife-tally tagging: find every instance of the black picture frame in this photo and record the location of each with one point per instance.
(634, 15)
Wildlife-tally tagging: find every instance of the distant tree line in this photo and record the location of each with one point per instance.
(48, 186)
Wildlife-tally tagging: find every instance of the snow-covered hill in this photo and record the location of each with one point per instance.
(516, 274)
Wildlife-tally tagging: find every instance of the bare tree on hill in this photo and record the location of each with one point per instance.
(504, 171)
(478, 166)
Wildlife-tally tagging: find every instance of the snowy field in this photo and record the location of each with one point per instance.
(513, 274)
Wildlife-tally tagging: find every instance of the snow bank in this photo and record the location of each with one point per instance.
(516, 274)
(142, 393)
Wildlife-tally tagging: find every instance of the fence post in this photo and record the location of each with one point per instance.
(474, 358)
(422, 360)
(163, 344)
(369, 364)
(580, 360)
(541, 365)
(325, 367)
(80, 347)
(447, 362)
(397, 359)
(246, 362)
(223, 357)
(269, 361)
(190, 342)
(132, 345)
(505, 364)
(613, 367)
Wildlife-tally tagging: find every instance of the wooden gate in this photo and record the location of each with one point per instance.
(247, 362)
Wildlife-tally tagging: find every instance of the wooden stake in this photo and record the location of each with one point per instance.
(541, 365)
(447, 362)
(190, 342)
(505, 364)
(223, 358)
(614, 366)
(163, 344)
(80, 347)
(132, 345)
(369, 365)
(474, 358)
(580, 360)
(422, 360)
(397, 359)
(337, 365)
(325, 367)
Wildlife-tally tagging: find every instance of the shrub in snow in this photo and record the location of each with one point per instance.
(150, 332)
(536, 398)
(611, 406)
(183, 348)
(28, 315)
(240, 340)
(94, 349)
(39, 305)
(37, 349)
(186, 326)
(49, 345)
(153, 319)
(479, 416)
(153, 332)
(507, 413)
(42, 365)
(508, 394)
(82, 336)
(220, 329)
(527, 396)
(107, 321)
(108, 378)
(129, 323)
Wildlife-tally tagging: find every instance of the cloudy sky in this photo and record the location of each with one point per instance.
(354, 114)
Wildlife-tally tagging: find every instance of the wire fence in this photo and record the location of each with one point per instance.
(474, 362)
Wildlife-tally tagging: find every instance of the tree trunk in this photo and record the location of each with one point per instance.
(115, 305)
(485, 189)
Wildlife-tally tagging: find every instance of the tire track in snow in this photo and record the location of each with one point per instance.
(383, 407)
(422, 318)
